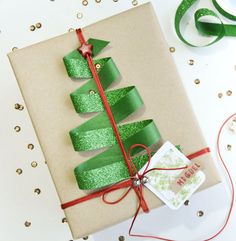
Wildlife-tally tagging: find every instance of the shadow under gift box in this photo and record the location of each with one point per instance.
(142, 56)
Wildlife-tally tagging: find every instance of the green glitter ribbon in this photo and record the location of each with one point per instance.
(109, 166)
(206, 28)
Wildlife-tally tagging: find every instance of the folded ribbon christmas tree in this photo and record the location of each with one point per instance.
(142, 56)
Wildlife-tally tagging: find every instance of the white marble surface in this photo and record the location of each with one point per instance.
(214, 66)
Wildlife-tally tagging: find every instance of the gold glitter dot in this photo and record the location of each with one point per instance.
(17, 128)
(186, 203)
(172, 49)
(229, 92)
(191, 62)
(135, 2)
(27, 224)
(79, 15)
(85, 2)
(98, 1)
(32, 28)
(34, 164)
(115, 1)
(64, 220)
(14, 48)
(37, 191)
(200, 213)
(19, 171)
(30, 146)
(220, 95)
(19, 106)
(92, 92)
(229, 147)
(197, 81)
(121, 238)
(38, 25)
(98, 66)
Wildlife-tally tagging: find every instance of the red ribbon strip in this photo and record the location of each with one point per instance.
(136, 180)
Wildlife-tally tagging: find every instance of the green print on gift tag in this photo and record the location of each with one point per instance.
(109, 166)
(176, 186)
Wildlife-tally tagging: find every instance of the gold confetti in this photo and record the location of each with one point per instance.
(172, 49)
(30, 146)
(37, 191)
(220, 95)
(191, 62)
(135, 2)
(85, 2)
(19, 171)
(38, 25)
(85, 238)
(98, 1)
(32, 28)
(98, 66)
(64, 220)
(17, 128)
(27, 224)
(197, 81)
(71, 30)
(121, 238)
(186, 203)
(92, 92)
(115, 1)
(19, 106)
(200, 213)
(79, 15)
(229, 92)
(229, 147)
(34, 164)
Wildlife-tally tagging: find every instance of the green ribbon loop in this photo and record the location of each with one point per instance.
(209, 29)
(109, 166)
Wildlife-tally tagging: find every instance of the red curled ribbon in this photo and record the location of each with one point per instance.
(136, 180)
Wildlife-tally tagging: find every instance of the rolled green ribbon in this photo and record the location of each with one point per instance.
(109, 166)
(209, 29)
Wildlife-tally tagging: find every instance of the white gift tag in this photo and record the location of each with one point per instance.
(173, 187)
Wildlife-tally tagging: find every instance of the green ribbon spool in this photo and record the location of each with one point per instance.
(209, 29)
(109, 166)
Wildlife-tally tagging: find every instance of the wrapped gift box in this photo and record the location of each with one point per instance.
(139, 50)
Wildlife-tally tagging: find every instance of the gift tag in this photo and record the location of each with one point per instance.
(173, 187)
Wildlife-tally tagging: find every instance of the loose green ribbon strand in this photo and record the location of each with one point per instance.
(209, 29)
(109, 166)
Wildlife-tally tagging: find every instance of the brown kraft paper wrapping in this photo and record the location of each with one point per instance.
(139, 50)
